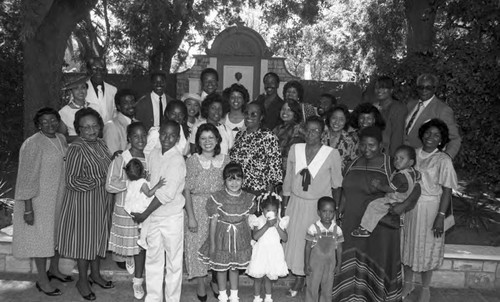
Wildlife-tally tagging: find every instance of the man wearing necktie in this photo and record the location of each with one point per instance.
(427, 107)
(150, 109)
(100, 95)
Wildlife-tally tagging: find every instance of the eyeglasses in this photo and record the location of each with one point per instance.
(426, 87)
(252, 114)
(89, 128)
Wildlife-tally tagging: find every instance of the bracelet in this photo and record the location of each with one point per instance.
(28, 212)
(442, 213)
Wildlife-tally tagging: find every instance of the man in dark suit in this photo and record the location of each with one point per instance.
(271, 100)
(150, 108)
(427, 107)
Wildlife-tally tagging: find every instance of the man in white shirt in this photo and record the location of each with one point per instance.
(150, 109)
(115, 130)
(427, 107)
(100, 95)
(165, 238)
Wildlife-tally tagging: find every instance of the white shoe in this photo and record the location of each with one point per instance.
(268, 299)
(130, 265)
(138, 289)
(257, 299)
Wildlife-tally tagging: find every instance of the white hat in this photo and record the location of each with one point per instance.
(191, 96)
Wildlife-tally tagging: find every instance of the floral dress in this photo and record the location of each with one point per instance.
(232, 234)
(203, 177)
(259, 154)
(346, 144)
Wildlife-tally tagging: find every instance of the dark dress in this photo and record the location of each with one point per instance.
(371, 267)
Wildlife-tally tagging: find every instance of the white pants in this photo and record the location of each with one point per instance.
(165, 240)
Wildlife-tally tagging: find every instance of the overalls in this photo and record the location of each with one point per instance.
(322, 262)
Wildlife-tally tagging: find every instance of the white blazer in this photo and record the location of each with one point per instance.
(106, 106)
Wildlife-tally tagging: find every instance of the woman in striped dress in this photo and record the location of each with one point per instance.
(124, 231)
(86, 210)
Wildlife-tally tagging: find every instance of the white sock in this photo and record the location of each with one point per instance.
(268, 296)
(234, 293)
(137, 280)
(222, 295)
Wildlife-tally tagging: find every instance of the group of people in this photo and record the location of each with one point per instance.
(223, 184)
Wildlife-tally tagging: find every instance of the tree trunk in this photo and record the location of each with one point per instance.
(44, 54)
(420, 16)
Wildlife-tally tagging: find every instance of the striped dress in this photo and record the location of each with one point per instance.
(124, 231)
(371, 267)
(86, 210)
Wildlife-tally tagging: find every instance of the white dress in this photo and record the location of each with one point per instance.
(135, 200)
(268, 258)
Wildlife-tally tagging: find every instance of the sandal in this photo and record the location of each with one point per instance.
(360, 232)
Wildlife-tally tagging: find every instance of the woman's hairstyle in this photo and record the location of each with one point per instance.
(244, 92)
(133, 126)
(269, 199)
(385, 82)
(297, 111)
(232, 170)
(367, 108)
(86, 112)
(134, 169)
(122, 93)
(441, 126)
(207, 127)
(297, 86)
(372, 132)
(342, 108)
(318, 120)
(325, 199)
(212, 98)
(44, 111)
(410, 151)
(171, 105)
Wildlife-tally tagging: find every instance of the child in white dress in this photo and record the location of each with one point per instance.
(268, 258)
(139, 195)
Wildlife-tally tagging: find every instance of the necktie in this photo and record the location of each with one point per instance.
(413, 116)
(100, 93)
(161, 109)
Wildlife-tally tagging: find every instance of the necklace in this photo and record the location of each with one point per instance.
(60, 150)
(72, 102)
(233, 194)
(92, 149)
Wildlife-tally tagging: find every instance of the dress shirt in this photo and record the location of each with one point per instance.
(155, 99)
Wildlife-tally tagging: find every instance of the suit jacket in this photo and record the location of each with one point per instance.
(144, 110)
(106, 109)
(395, 122)
(115, 133)
(272, 118)
(435, 109)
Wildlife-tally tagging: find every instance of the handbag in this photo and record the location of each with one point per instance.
(449, 220)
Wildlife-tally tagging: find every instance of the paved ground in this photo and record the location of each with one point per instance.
(20, 288)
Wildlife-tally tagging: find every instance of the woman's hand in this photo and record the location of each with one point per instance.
(192, 225)
(397, 208)
(139, 217)
(116, 154)
(308, 270)
(29, 217)
(438, 226)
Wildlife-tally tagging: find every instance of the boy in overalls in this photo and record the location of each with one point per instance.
(323, 252)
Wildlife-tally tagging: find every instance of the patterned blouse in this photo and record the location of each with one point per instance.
(260, 156)
(346, 144)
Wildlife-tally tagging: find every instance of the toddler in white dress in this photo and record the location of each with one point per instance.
(268, 258)
(139, 195)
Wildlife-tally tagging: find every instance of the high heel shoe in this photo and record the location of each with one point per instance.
(65, 279)
(90, 297)
(202, 298)
(107, 285)
(213, 283)
(55, 292)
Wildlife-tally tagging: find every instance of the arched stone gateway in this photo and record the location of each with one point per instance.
(239, 54)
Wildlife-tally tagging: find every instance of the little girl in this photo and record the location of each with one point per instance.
(228, 247)
(268, 258)
(323, 252)
(139, 195)
(401, 185)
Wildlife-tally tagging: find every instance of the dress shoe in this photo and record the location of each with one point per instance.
(65, 279)
(107, 285)
(90, 297)
(55, 292)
